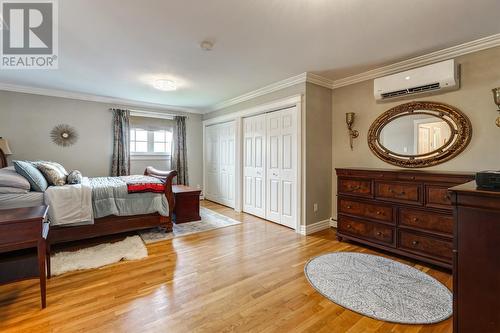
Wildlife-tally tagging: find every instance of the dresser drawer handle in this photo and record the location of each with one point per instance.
(354, 188)
(378, 212)
(414, 243)
(348, 226)
(379, 233)
(415, 219)
(348, 207)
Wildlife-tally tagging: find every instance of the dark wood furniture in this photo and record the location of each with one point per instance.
(187, 204)
(23, 228)
(406, 212)
(476, 260)
(117, 224)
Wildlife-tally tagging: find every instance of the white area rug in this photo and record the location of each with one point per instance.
(209, 220)
(131, 248)
(380, 288)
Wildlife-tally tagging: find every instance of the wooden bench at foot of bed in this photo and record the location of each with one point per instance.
(110, 225)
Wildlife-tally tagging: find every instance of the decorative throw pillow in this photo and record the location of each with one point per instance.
(36, 179)
(54, 173)
(75, 177)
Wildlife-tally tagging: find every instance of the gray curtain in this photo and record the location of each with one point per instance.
(180, 151)
(120, 165)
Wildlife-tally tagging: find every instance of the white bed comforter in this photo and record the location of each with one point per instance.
(70, 204)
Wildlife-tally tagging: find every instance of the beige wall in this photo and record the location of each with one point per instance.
(318, 153)
(26, 121)
(480, 73)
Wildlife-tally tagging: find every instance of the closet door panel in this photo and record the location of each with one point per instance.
(273, 193)
(254, 136)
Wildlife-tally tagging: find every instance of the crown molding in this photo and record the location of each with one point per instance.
(426, 59)
(291, 81)
(319, 80)
(92, 98)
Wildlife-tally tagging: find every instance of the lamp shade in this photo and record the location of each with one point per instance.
(4, 146)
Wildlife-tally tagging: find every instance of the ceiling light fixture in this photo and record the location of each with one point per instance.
(165, 85)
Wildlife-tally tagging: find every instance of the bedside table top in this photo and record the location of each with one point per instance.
(22, 214)
(178, 189)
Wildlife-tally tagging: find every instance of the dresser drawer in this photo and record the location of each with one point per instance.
(355, 187)
(437, 196)
(399, 192)
(425, 245)
(425, 220)
(367, 230)
(361, 209)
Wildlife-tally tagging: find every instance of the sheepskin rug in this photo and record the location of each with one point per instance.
(131, 248)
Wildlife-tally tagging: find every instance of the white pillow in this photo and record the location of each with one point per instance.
(10, 178)
(12, 190)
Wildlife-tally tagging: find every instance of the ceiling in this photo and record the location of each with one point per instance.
(117, 48)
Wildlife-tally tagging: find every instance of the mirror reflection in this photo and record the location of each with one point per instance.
(415, 134)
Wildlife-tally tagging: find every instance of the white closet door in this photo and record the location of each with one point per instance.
(220, 163)
(254, 165)
(211, 191)
(227, 163)
(282, 167)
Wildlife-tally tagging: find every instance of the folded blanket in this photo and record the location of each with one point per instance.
(70, 204)
(142, 184)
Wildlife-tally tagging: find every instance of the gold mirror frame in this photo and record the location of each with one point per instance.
(461, 134)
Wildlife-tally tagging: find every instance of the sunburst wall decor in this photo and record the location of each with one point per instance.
(64, 135)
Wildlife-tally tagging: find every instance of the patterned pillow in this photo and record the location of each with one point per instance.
(53, 172)
(36, 179)
(75, 177)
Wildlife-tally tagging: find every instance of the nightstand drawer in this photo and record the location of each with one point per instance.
(20, 233)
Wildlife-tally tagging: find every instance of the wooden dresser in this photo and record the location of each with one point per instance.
(476, 260)
(406, 212)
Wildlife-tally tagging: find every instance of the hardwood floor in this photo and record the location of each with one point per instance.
(244, 278)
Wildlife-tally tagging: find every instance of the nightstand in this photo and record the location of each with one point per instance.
(24, 228)
(187, 204)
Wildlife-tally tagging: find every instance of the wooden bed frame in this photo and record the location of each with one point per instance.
(110, 225)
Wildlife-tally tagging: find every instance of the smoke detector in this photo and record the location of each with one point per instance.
(207, 45)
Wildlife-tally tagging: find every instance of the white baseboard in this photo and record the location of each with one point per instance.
(333, 223)
(315, 227)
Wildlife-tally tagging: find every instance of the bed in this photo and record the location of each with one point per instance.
(113, 224)
(112, 209)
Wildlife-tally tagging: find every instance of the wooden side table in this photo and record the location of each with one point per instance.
(23, 228)
(187, 204)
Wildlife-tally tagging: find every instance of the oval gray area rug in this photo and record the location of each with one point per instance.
(380, 288)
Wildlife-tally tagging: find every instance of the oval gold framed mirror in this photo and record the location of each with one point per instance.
(419, 134)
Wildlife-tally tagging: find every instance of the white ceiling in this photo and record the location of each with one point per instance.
(117, 48)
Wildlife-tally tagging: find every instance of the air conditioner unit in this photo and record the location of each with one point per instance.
(429, 79)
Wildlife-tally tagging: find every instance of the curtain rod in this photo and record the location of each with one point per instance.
(153, 114)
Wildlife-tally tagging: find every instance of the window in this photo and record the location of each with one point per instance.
(150, 142)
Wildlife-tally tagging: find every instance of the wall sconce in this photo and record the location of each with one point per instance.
(353, 134)
(496, 98)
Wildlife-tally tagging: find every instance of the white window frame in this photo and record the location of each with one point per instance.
(150, 154)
